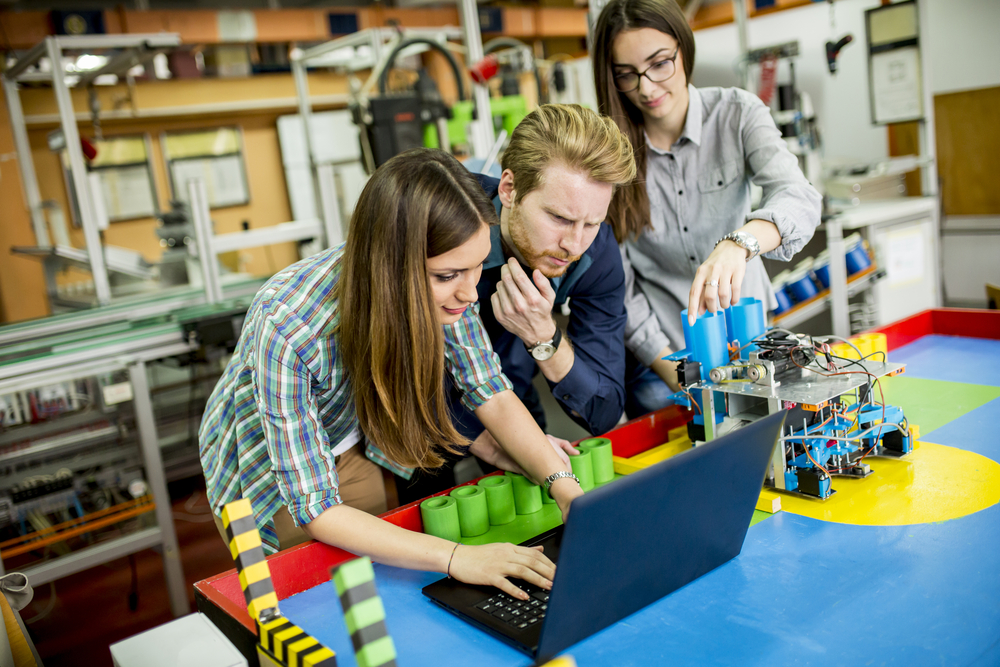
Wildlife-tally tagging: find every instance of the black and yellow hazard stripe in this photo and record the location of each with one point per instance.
(290, 645)
(248, 552)
(364, 613)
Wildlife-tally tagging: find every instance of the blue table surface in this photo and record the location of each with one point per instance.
(802, 592)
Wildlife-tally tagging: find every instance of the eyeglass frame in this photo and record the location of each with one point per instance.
(643, 73)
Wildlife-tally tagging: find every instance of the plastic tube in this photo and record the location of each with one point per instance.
(583, 468)
(744, 322)
(601, 461)
(499, 499)
(473, 517)
(440, 517)
(706, 341)
(527, 495)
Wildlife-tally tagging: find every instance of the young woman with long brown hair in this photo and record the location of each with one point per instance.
(689, 237)
(342, 365)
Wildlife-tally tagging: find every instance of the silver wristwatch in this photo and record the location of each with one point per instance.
(744, 240)
(558, 475)
(543, 351)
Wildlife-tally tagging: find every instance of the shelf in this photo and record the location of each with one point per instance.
(806, 310)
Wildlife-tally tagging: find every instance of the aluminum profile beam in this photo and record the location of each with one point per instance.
(78, 171)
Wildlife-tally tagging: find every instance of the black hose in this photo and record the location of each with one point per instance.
(383, 78)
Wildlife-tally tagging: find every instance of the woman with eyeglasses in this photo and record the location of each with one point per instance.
(688, 235)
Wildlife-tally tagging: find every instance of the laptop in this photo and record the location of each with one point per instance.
(650, 532)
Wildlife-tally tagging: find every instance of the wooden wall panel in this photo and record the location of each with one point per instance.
(968, 149)
(904, 139)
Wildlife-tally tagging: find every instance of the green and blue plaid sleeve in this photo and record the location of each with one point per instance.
(301, 459)
(471, 361)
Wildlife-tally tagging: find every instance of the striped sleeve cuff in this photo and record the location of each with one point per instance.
(376, 456)
(476, 396)
(305, 509)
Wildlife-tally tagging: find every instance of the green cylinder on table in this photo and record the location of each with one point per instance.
(583, 468)
(440, 517)
(527, 495)
(499, 499)
(601, 460)
(473, 517)
(547, 498)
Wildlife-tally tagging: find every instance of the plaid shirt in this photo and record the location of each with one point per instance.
(283, 402)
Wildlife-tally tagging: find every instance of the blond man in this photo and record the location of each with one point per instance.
(560, 171)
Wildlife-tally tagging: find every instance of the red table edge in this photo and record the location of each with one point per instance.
(965, 322)
(307, 565)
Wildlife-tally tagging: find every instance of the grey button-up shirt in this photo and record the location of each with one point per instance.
(699, 191)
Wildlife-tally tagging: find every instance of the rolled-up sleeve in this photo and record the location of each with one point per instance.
(789, 201)
(471, 361)
(301, 458)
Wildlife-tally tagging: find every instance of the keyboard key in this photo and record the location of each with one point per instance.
(503, 614)
(532, 620)
(489, 606)
(522, 626)
(543, 596)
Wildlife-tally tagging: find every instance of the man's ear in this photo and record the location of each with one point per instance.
(506, 189)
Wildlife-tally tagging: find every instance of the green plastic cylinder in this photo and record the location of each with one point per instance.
(440, 517)
(499, 499)
(473, 517)
(547, 498)
(600, 458)
(527, 495)
(583, 468)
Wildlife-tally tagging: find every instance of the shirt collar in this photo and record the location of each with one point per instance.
(692, 124)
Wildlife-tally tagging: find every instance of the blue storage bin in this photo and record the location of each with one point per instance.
(856, 256)
(784, 301)
(821, 269)
(800, 285)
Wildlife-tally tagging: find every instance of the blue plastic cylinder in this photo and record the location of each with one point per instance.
(744, 322)
(784, 301)
(857, 258)
(822, 272)
(801, 286)
(706, 340)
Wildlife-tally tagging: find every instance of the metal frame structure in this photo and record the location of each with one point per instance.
(381, 41)
(31, 374)
(135, 49)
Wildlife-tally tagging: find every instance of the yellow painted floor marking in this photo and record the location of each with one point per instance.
(932, 483)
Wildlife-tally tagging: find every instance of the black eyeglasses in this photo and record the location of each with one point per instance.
(658, 72)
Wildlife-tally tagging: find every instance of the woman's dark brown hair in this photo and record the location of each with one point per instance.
(629, 210)
(420, 204)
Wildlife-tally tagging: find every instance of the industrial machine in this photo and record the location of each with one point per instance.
(734, 371)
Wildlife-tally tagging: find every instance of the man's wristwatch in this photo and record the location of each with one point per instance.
(543, 351)
(558, 475)
(744, 240)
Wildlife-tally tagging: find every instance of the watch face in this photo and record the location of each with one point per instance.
(543, 351)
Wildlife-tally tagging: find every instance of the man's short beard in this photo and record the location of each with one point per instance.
(531, 255)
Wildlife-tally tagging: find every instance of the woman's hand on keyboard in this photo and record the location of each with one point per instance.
(491, 564)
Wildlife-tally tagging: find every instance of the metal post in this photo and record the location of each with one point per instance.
(25, 162)
(708, 413)
(838, 278)
(740, 15)
(778, 455)
(333, 222)
(202, 221)
(78, 170)
(150, 443)
(481, 129)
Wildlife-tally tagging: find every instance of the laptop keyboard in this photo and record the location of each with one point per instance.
(519, 614)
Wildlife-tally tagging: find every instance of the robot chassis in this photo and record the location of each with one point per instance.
(834, 422)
